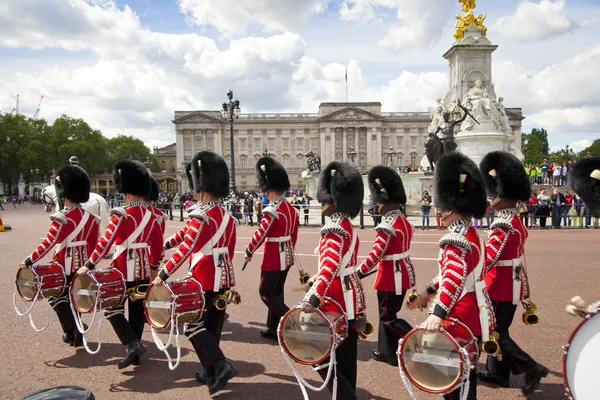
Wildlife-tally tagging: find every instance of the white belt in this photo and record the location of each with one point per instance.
(344, 272)
(215, 253)
(281, 239)
(514, 263)
(120, 248)
(348, 294)
(77, 244)
(397, 273)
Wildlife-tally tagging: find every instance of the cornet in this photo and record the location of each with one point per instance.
(229, 297)
(414, 301)
(134, 293)
(529, 316)
(363, 327)
(304, 276)
(491, 346)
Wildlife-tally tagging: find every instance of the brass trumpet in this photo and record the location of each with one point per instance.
(414, 301)
(529, 316)
(229, 297)
(491, 347)
(304, 276)
(134, 293)
(363, 327)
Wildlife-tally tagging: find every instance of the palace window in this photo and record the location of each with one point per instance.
(398, 141)
(227, 144)
(198, 142)
(413, 159)
(286, 142)
(243, 161)
(187, 143)
(300, 161)
(338, 142)
(243, 144)
(386, 143)
(413, 142)
(257, 144)
(362, 141)
(271, 142)
(299, 143)
(351, 141)
(362, 160)
(286, 162)
(313, 144)
(210, 143)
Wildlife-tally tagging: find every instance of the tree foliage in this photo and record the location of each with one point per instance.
(592, 151)
(29, 144)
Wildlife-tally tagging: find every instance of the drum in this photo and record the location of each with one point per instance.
(580, 359)
(98, 290)
(434, 361)
(182, 299)
(309, 338)
(41, 281)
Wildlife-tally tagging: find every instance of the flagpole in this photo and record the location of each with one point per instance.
(346, 83)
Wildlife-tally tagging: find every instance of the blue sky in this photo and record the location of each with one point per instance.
(126, 65)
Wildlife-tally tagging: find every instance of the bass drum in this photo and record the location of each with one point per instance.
(437, 362)
(309, 338)
(580, 359)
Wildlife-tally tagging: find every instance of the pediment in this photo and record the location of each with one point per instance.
(196, 116)
(350, 113)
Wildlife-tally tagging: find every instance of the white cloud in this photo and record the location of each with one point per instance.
(233, 17)
(535, 21)
(568, 120)
(580, 145)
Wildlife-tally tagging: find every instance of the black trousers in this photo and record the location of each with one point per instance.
(346, 359)
(514, 359)
(205, 335)
(455, 395)
(305, 217)
(128, 329)
(391, 328)
(62, 308)
(271, 290)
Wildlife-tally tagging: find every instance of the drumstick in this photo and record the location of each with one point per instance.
(244, 267)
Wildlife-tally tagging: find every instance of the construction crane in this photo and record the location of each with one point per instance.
(37, 112)
(16, 109)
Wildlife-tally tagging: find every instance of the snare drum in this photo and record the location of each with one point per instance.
(41, 281)
(580, 359)
(182, 299)
(309, 338)
(434, 361)
(99, 289)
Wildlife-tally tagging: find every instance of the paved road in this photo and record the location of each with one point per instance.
(560, 264)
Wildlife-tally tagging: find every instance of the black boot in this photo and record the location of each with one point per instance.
(204, 377)
(377, 356)
(533, 378)
(77, 339)
(132, 350)
(224, 373)
(136, 360)
(268, 333)
(494, 379)
(67, 337)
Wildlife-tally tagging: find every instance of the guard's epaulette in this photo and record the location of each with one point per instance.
(271, 209)
(199, 212)
(118, 211)
(502, 223)
(457, 239)
(59, 217)
(334, 225)
(387, 226)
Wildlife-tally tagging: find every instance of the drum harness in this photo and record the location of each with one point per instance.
(119, 249)
(215, 252)
(477, 286)
(53, 301)
(332, 365)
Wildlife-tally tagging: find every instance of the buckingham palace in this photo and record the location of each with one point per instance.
(352, 132)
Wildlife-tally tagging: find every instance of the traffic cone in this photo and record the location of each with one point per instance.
(4, 227)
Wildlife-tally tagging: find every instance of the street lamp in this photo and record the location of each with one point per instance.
(566, 151)
(185, 161)
(391, 155)
(148, 163)
(231, 111)
(267, 154)
(352, 154)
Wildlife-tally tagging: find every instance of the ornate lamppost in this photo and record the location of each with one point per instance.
(230, 112)
(185, 161)
(267, 154)
(148, 163)
(566, 152)
(391, 155)
(352, 154)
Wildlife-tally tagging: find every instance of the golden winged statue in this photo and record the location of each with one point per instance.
(468, 5)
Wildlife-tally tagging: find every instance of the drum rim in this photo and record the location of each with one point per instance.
(92, 275)
(331, 330)
(445, 333)
(167, 285)
(568, 345)
(38, 290)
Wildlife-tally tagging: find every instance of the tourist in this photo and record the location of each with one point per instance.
(556, 174)
(558, 204)
(532, 204)
(577, 211)
(425, 209)
(306, 206)
(489, 213)
(543, 210)
(544, 167)
(568, 208)
(438, 219)
(563, 176)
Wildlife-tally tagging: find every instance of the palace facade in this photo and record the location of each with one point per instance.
(336, 132)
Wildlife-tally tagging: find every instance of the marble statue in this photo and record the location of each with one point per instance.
(313, 161)
(479, 104)
(503, 117)
(436, 116)
(436, 146)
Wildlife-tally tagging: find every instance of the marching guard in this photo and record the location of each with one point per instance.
(505, 268)
(340, 192)
(460, 195)
(395, 273)
(137, 237)
(73, 235)
(278, 228)
(160, 216)
(176, 239)
(209, 242)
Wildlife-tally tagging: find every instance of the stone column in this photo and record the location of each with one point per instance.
(379, 148)
(369, 149)
(344, 143)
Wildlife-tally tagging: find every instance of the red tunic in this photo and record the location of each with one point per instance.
(74, 249)
(504, 258)
(390, 252)
(133, 256)
(336, 246)
(203, 244)
(177, 237)
(460, 250)
(279, 229)
(161, 221)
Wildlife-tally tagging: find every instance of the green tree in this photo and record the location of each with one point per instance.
(542, 135)
(16, 133)
(531, 146)
(128, 147)
(592, 151)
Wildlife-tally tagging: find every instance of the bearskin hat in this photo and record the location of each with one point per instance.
(210, 174)
(459, 186)
(188, 174)
(153, 194)
(505, 176)
(584, 179)
(386, 186)
(72, 183)
(341, 185)
(131, 177)
(271, 175)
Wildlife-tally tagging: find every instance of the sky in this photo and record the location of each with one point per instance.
(125, 66)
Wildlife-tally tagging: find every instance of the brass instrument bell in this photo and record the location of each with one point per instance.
(491, 346)
(229, 297)
(363, 327)
(304, 276)
(134, 293)
(529, 316)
